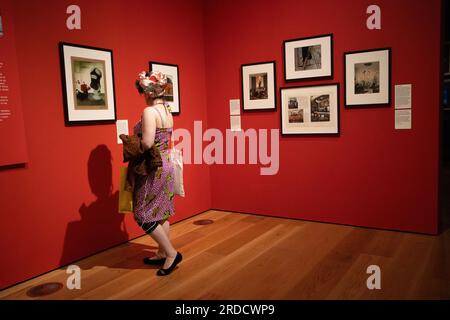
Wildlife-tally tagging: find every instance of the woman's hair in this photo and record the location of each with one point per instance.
(153, 83)
(137, 84)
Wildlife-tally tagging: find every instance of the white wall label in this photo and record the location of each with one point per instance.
(235, 107)
(403, 119)
(235, 123)
(403, 106)
(122, 127)
(403, 94)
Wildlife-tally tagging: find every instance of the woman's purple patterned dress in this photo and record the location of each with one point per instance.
(153, 194)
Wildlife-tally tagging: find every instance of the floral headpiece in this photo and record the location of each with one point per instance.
(153, 83)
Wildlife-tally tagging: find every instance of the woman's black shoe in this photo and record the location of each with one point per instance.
(153, 262)
(165, 272)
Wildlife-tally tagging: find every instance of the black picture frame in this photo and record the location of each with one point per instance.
(327, 76)
(245, 107)
(320, 134)
(388, 102)
(69, 102)
(175, 106)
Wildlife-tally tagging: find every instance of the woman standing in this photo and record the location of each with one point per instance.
(153, 194)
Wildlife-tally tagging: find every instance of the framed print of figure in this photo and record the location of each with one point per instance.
(258, 86)
(172, 94)
(88, 84)
(308, 58)
(368, 77)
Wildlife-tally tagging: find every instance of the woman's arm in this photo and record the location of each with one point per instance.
(148, 128)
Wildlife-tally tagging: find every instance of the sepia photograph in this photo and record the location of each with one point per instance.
(169, 90)
(367, 77)
(258, 86)
(293, 103)
(320, 108)
(308, 58)
(296, 116)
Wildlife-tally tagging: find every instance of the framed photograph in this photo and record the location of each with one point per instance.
(172, 94)
(308, 58)
(368, 77)
(258, 86)
(88, 84)
(310, 110)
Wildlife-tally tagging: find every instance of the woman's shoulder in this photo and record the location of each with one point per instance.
(149, 113)
(148, 110)
(152, 112)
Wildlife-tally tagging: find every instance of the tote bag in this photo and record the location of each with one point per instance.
(125, 197)
(177, 160)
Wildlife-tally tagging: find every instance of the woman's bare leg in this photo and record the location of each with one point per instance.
(161, 253)
(166, 227)
(160, 236)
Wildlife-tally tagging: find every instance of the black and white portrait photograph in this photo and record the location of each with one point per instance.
(258, 86)
(293, 103)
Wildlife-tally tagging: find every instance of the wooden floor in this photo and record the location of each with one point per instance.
(252, 257)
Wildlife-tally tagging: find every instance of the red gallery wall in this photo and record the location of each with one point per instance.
(63, 205)
(371, 175)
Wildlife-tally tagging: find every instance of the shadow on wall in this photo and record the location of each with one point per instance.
(101, 225)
